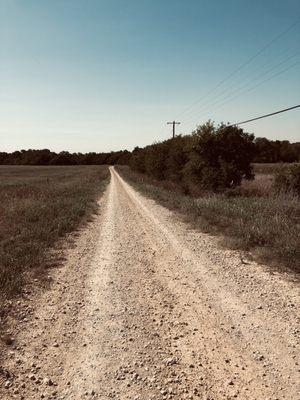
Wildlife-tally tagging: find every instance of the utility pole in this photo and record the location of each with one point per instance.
(174, 123)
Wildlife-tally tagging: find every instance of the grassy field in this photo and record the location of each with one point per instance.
(38, 206)
(269, 168)
(264, 179)
(253, 218)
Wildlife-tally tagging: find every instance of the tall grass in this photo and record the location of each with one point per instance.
(38, 206)
(267, 225)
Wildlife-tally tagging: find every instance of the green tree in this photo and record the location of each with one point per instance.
(219, 157)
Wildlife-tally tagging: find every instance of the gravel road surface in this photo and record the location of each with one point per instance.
(144, 307)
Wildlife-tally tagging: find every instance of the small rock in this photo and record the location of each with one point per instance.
(7, 384)
(7, 339)
(48, 382)
(171, 361)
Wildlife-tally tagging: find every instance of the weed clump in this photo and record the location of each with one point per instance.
(288, 179)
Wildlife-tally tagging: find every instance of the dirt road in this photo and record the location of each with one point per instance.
(146, 308)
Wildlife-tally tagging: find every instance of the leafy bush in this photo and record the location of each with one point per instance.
(176, 159)
(137, 160)
(155, 160)
(220, 157)
(212, 158)
(288, 179)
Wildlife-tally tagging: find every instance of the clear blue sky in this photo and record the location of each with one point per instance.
(100, 75)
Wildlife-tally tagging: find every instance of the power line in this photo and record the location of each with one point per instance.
(242, 65)
(229, 98)
(224, 95)
(266, 115)
(259, 83)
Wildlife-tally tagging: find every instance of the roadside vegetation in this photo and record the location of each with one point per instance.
(209, 178)
(38, 206)
(211, 159)
(267, 225)
(288, 180)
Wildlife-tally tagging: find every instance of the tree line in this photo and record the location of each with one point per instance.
(212, 157)
(47, 157)
(274, 151)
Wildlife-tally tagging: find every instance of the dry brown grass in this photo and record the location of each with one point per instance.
(261, 185)
(38, 206)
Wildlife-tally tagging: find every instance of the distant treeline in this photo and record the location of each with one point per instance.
(47, 157)
(274, 151)
(262, 151)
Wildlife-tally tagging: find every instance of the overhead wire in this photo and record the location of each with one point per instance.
(208, 106)
(219, 98)
(265, 116)
(260, 83)
(240, 67)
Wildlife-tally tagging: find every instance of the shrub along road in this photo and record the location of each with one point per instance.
(147, 308)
